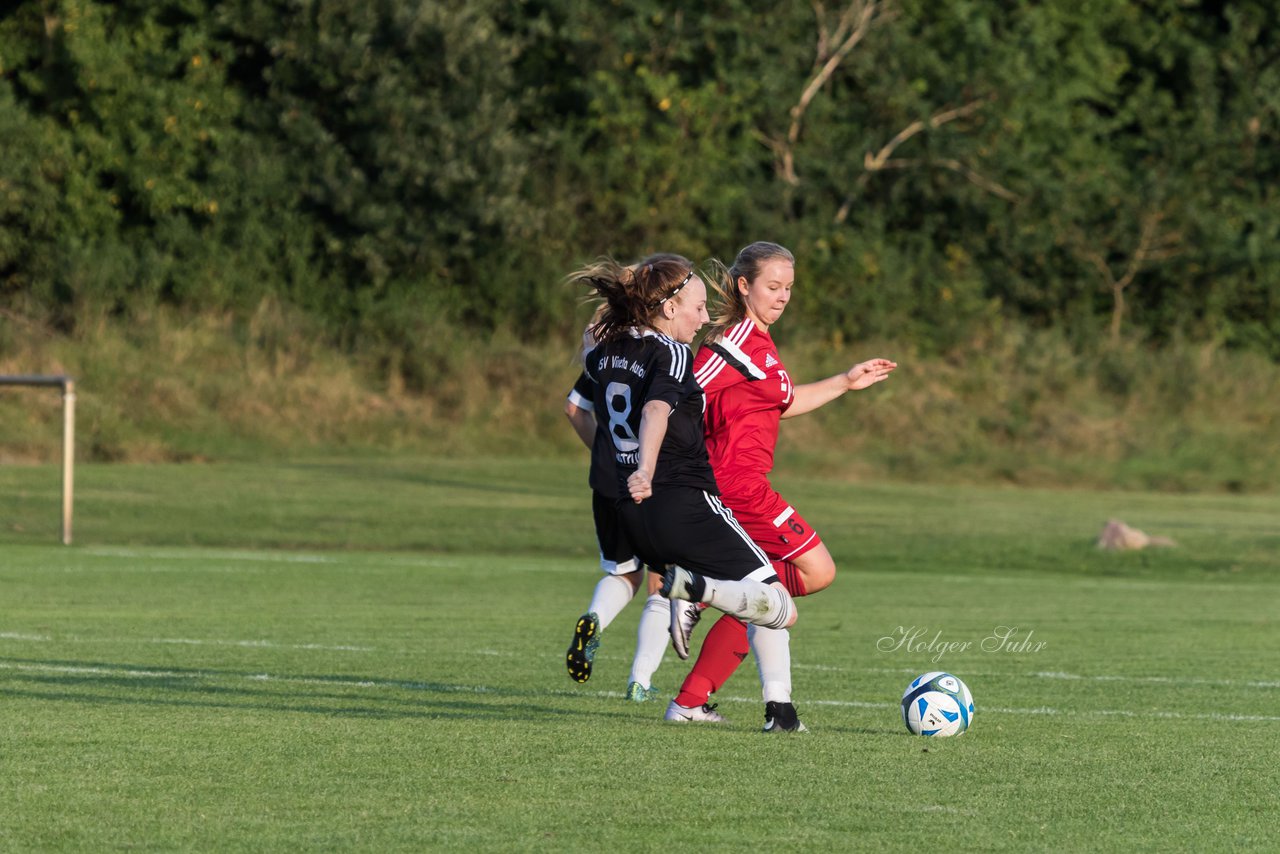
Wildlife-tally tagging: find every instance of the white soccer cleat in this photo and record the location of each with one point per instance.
(684, 616)
(705, 714)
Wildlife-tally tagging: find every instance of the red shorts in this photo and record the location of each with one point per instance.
(768, 519)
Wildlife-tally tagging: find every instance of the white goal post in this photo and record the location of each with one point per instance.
(68, 386)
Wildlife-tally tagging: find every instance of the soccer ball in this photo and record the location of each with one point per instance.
(938, 704)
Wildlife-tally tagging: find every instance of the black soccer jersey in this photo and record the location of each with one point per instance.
(630, 372)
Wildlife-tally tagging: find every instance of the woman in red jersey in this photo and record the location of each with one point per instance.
(748, 392)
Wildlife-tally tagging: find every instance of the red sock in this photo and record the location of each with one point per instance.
(789, 575)
(723, 649)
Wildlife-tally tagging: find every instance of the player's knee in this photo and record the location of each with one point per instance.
(821, 578)
(817, 570)
(787, 613)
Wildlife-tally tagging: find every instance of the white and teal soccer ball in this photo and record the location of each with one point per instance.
(937, 704)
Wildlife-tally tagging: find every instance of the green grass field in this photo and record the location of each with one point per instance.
(367, 654)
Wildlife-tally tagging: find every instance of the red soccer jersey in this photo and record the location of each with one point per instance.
(747, 391)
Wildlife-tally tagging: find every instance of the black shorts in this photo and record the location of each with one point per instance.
(690, 527)
(616, 555)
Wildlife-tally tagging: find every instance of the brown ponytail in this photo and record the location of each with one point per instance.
(633, 295)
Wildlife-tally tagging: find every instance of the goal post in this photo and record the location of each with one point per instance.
(68, 386)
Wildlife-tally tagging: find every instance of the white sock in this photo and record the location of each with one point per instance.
(613, 592)
(772, 649)
(751, 601)
(651, 639)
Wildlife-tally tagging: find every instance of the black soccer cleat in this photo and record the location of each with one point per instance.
(582, 649)
(782, 717)
(680, 583)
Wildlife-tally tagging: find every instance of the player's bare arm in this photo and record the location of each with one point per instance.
(810, 396)
(583, 421)
(653, 428)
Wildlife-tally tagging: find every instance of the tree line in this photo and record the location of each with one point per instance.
(940, 167)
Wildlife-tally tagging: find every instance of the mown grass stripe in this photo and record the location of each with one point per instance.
(431, 687)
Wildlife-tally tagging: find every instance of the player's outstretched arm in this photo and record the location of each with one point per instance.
(810, 396)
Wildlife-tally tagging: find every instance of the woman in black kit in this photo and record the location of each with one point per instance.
(648, 405)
